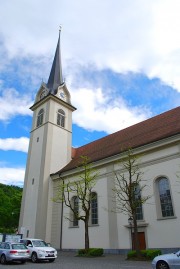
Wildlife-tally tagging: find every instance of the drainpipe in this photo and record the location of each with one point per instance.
(61, 230)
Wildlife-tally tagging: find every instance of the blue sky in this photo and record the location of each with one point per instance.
(121, 63)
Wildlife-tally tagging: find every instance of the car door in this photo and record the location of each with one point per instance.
(176, 260)
(29, 245)
(1, 248)
(7, 249)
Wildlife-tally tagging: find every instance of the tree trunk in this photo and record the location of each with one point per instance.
(86, 235)
(136, 238)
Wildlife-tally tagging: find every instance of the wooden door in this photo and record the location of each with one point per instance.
(142, 241)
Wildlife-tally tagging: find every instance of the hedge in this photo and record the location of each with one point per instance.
(148, 254)
(93, 252)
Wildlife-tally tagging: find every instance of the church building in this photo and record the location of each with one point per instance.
(51, 159)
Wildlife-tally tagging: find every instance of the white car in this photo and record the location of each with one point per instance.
(39, 250)
(167, 261)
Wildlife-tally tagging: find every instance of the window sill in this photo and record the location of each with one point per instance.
(139, 224)
(166, 218)
(93, 225)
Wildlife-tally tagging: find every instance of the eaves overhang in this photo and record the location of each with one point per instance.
(53, 97)
(140, 150)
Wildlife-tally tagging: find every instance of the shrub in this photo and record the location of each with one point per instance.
(82, 252)
(144, 253)
(96, 252)
(131, 254)
(148, 254)
(91, 252)
(152, 253)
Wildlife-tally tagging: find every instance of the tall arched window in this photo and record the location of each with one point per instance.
(40, 117)
(94, 208)
(61, 118)
(75, 204)
(165, 197)
(138, 201)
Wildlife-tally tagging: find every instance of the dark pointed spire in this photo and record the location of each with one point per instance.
(55, 77)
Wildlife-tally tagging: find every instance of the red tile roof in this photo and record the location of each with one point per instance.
(159, 127)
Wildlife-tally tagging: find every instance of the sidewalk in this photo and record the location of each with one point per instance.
(108, 261)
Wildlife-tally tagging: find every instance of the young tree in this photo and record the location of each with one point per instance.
(81, 189)
(129, 185)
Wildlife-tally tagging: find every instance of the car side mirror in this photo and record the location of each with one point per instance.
(49, 245)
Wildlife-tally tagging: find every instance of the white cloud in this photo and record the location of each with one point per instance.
(13, 103)
(103, 113)
(140, 36)
(17, 144)
(122, 35)
(12, 176)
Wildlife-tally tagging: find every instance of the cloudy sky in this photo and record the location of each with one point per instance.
(121, 63)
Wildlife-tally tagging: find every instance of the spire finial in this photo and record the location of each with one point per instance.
(55, 77)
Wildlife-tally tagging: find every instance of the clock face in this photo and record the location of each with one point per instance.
(62, 95)
(43, 94)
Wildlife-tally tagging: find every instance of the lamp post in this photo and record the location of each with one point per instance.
(130, 221)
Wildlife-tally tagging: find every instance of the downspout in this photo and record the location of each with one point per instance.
(61, 230)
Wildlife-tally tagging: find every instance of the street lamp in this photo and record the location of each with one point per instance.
(130, 221)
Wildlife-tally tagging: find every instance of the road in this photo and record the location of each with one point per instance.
(67, 260)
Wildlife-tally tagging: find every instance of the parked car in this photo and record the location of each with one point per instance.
(167, 261)
(40, 250)
(13, 252)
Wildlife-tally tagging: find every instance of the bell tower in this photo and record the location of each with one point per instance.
(49, 150)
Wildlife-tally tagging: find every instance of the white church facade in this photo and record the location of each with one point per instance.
(52, 159)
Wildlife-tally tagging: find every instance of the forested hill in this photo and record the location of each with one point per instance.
(10, 203)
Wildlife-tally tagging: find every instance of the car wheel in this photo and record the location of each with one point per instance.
(3, 259)
(51, 260)
(34, 257)
(162, 265)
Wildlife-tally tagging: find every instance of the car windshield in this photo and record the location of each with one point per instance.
(38, 243)
(18, 246)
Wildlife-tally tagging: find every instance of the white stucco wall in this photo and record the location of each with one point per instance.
(49, 150)
(112, 231)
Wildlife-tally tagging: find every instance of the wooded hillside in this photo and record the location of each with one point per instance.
(10, 203)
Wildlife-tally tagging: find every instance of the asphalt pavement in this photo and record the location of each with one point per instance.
(69, 260)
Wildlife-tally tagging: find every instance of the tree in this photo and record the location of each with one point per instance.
(129, 185)
(10, 203)
(81, 189)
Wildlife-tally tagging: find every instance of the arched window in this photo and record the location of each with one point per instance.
(94, 208)
(61, 118)
(138, 201)
(75, 204)
(165, 197)
(40, 117)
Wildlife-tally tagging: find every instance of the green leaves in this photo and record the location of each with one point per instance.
(10, 204)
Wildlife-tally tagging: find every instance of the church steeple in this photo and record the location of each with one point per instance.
(55, 85)
(55, 78)
(49, 151)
